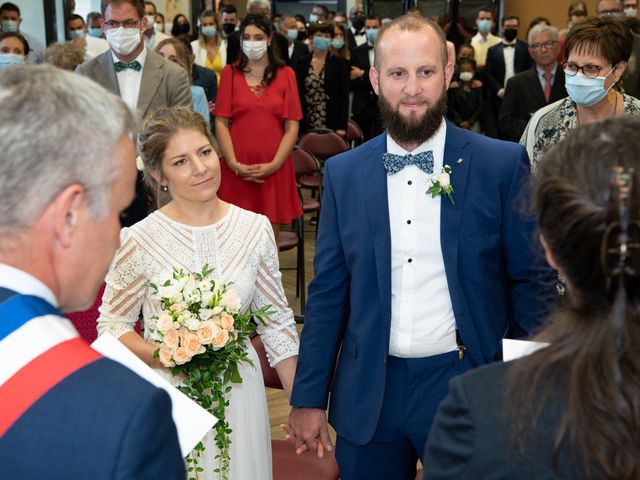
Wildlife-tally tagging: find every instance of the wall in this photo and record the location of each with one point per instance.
(32, 13)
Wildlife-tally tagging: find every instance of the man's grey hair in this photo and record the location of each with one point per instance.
(258, 4)
(543, 28)
(57, 129)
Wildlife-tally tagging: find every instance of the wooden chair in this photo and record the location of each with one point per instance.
(286, 464)
(354, 135)
(306, 166)
(323, 143)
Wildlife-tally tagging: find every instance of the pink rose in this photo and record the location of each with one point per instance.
(171, 339)
(182, 332)
(165, 358)
(177, 307)
(206, 332)
(180, 356)
(165, 322)
(220, 339)
(226, 321)
(192, 345)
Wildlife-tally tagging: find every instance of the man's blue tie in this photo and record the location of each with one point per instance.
(394, 163)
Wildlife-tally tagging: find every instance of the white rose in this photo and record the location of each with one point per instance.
(205, 314)
(192, 323)
(231, 301)
(217, 310)
(444, 179)
(207, 296)
(168, 291)
(164, 322)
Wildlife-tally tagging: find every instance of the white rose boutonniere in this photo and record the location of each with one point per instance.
(441, 184)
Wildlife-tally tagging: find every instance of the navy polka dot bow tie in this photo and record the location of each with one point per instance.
(394, 163)
(135, 65)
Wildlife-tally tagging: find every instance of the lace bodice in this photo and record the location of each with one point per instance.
(241, 249)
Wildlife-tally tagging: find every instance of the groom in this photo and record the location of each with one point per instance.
(411, 290)
(66, 412)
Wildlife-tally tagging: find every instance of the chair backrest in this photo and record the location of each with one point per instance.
(304, 163)
(323, 143)
(354, 134)
(269, 373)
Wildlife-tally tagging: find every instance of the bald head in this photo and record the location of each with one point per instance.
(409, 23)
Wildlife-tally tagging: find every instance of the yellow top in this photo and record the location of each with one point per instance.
(216, 65)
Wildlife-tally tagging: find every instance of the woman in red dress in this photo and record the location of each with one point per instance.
(257, 115)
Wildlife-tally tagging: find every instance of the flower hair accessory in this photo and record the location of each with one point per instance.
(139, 163)
(441, 184)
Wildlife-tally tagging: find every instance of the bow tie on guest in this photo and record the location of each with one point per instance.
(357, 34)
(135, 65)
(509, 45)
(394, 163)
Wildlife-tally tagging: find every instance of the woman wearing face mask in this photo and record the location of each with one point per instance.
(181, 28)
(596, 52)
(158, 25)
(323, 83)
(339, 45)
(257, 114)
(14, 49)
(208, 49)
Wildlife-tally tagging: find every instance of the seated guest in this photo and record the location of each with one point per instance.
(175, 51)
(569, 410)
(323, 83)
(535, 88)
(67, 412)
(207, 48)
(14, 49)
(67, 55)
(465, 101)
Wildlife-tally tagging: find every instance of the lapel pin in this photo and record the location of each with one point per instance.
(460, 160)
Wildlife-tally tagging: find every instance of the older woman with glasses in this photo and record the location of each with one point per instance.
(597, 52)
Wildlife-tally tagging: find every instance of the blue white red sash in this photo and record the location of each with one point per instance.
(38, 349)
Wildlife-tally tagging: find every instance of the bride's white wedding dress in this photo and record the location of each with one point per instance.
(241, 249)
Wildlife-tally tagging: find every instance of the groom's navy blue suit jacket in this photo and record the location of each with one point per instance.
(499, 282)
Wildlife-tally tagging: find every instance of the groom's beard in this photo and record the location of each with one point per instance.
(413, 129)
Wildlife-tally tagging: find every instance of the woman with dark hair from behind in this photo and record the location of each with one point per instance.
(572, 409)
(257, 115)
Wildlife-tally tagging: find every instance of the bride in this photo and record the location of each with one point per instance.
(192, 228)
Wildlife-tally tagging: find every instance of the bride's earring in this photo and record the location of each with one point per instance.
(164, 188)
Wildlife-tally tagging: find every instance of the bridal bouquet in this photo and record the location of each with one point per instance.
(204, 340)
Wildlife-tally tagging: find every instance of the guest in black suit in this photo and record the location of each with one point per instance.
(295, 49)
(364, 108)
(532, 89)
(504, 60)
(279, 41)
(323, 83)
(569, 410)
(356, 35)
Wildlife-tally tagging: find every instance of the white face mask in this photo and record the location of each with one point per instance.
(254, 50)
(158, 26)
(466, 76)
(123, 40)
(631, 11)
(151, 19)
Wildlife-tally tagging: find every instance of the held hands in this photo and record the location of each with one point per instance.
(308, 431)
(355, 73)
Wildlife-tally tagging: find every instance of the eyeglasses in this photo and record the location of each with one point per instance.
(547, 44)
(126, 24)
(572, 69)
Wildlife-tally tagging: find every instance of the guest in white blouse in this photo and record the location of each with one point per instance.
(194, 227)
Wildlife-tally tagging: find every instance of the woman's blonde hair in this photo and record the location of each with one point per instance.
(156, 131)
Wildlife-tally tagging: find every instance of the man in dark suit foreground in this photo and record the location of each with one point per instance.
(532, 89)
(67, 412)
(411, 287)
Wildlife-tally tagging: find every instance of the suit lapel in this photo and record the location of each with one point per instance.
(152, 74)
(558, 90)
(377, 205)
(105, 73)
(459, 159)
(535, 87)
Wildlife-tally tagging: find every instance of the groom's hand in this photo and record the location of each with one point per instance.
(309, 431)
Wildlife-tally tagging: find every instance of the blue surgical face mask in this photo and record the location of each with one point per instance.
(10, 59)
(484, 25)
(321, 44)
(9, 26)
(77, 33)
(313, 18)
(292, 34)
(208, 31)
(337, 43)
(372, 35)
(586, 91)
(95, 32)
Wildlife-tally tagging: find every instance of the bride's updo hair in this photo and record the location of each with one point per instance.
(156, 131)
